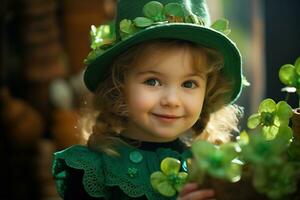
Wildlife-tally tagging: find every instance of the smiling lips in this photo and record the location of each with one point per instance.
(167, 118)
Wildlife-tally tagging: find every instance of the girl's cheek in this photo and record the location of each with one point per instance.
(142, 99)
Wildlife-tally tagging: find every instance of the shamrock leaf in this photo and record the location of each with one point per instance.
(142, 22)
(270, 132)
(154, 11)
(285, 133)
(221, 25)
(290, 75)
(243, 138)
(254, 120)
(284, 111)
(181, 180)
(267, 106)
(173, 9)
(127, 28)
(159, 182)
(271, 117)
(169, 180)
(170, 166)
(103, 36)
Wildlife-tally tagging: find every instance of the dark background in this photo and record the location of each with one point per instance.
(282, 43)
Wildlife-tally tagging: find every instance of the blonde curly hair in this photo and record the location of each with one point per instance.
(109, 116)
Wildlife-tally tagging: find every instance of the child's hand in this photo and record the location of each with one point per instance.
(191, 192)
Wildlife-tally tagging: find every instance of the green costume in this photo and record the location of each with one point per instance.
(126, 176)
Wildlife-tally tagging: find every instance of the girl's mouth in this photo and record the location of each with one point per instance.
(166, 117)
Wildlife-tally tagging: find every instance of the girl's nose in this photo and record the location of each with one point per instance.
(170, 98)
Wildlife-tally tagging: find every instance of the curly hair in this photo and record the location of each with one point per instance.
(216, 122)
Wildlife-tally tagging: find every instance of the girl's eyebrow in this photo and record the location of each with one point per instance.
(200, 74)
(149, 72)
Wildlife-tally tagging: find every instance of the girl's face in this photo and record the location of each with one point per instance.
(164, 94)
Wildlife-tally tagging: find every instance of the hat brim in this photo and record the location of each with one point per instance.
(99, 68)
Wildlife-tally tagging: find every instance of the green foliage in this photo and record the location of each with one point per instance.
(271, 154)
(270, 117)
(127, 28)
(142, 22)
(290, 76)
(273, 175)
(174, 9)
(275, 181)
(92, 56)
(102, 38)
(169, 180)
(217, 161)
(221, 25)
(155, 13)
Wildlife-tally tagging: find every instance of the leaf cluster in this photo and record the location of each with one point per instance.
(169, 180)
(156, 13)
(270, 154)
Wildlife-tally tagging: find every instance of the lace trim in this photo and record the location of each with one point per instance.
(101, 171)
(79, 157)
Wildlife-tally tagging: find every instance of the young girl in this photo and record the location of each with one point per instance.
(157, 88)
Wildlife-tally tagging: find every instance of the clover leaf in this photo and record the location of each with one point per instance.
(143, 22)
(217, 161)
(169, 180)
(243, 138)
(102, 36)
(154, 11)
(270, 116)
(290, 76)
(221, 25)
(127, 28)
(174, 9)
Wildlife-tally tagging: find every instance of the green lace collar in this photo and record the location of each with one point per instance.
(130, 171)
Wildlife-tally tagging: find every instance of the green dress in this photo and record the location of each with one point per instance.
(81, 173)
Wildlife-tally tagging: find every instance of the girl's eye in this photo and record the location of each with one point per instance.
(190, 84)
(152, 82)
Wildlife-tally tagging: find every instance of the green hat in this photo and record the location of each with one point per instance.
(141, 20)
